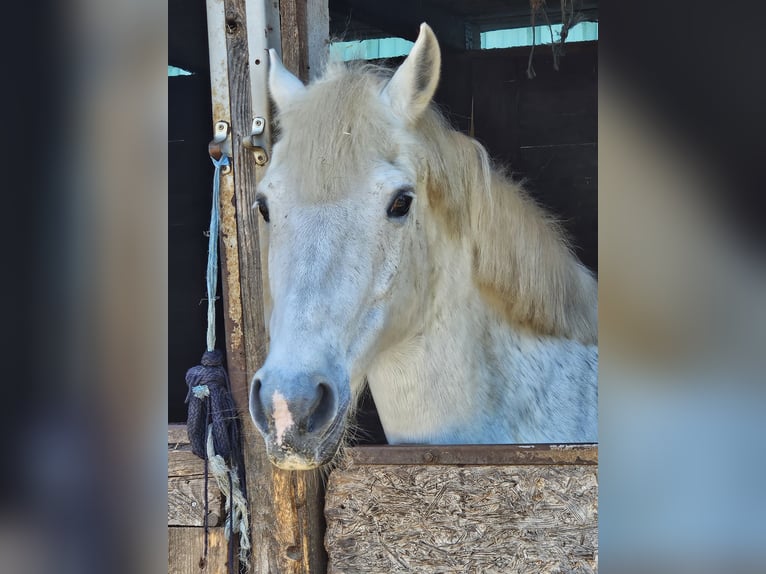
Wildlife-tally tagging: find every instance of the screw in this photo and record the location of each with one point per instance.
(260, 156)
(429, 457)
(293, 552)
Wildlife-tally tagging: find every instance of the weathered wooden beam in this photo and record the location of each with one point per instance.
(318, 36)
(403, 18)
(476, 454)
(186, 551)
(243, 300)
(299, 496)
(186, 484)
(183, 462)
(294, 27)
(478, 17)
(517, 14)
(305, 29)
(186, 501)
(229, 252)
(177, 435)
(285, 508)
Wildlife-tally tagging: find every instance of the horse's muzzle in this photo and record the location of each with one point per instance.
(301, 417)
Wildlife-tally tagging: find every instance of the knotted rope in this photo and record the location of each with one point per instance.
(212, 415)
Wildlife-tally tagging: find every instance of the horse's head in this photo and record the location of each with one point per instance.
(343, 201)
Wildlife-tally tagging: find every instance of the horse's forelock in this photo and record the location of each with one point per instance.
(338, 128)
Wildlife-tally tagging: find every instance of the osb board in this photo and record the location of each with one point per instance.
(186, 551)
(186, 484)
(462, 519)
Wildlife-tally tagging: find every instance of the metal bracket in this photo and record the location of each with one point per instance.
(221, 144)
(256, 141)
(259, 124)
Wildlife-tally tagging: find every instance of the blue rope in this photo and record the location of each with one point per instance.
(212, 251)
(212, 414)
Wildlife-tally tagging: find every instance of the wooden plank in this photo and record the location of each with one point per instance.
(473, 519)
(186, 501)
(186, 550)
(218, 23)
(186, 484)
(503, 14)
(183, 462)
(482, 454)
(317, 36)
(285, 508)
(299, 496)
(177, 435)
(294, 28)
(245, 298)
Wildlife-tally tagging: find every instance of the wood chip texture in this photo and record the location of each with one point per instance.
(466, 519)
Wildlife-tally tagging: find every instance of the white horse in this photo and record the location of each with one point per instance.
(398, 255)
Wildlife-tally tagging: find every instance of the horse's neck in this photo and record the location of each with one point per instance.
(468, 376)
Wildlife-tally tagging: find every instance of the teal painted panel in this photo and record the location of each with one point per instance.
(582, 32)
(394, 47)
(370, 49)
(174, 71)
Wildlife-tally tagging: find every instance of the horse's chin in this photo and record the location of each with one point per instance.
(287, 460)
(305, 456)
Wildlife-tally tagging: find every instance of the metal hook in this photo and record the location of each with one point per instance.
(256, 143)
(221, 144)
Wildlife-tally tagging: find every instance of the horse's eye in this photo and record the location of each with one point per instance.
(400, 205)
(263, 207)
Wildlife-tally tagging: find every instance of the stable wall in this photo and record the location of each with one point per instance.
(465, 510)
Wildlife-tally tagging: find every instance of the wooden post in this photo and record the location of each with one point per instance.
(294, 26)
(286, 508)
(305, 30)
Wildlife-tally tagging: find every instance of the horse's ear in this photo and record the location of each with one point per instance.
(414, 83)
(283, 85)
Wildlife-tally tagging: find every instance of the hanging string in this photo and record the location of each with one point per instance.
(212, 415)
(212, 251)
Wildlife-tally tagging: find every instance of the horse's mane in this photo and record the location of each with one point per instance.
(522, 261)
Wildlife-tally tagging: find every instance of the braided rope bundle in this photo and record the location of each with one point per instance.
(212, 423)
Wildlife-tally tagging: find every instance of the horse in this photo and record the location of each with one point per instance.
(400, 257)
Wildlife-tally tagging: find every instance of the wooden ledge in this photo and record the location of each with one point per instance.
(186, 485)
(476, 454)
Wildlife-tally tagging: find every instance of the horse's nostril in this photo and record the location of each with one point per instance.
(257, 412)
(323, 409)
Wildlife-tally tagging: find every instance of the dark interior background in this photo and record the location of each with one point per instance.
(544, 130)
(190, 180)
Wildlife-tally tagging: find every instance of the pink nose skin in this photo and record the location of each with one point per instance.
(283, 419)
(300, 416)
